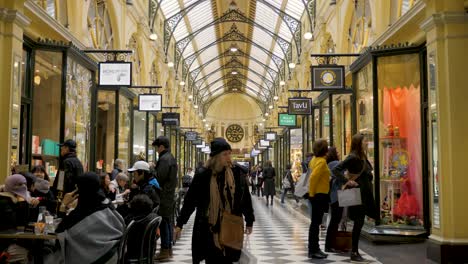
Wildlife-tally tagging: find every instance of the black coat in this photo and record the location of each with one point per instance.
(354, 165)
(72, 168)
(198, 197)
(269, 175)
(166, 174)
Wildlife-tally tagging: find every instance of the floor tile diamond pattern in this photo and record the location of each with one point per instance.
(279, 236)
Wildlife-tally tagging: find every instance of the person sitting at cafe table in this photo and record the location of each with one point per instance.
(92, 231)
(42, 189)
(119, 185)
(14, 211)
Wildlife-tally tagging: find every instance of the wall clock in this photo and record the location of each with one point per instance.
(234, 133)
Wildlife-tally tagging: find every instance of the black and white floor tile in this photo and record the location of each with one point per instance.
(279, 236)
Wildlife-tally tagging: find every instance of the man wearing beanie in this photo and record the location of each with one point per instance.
(219, 188)
(166, 174)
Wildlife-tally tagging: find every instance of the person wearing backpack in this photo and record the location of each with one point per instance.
(288, 184)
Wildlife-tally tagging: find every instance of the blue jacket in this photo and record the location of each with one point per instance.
(335, 183)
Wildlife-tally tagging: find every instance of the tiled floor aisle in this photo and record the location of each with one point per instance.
(280, 236)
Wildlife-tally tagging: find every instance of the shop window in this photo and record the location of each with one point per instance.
(47, 94)
(326, 120)
(151, 137)
(399, 92)
(99, 25)
(296, 152)
(139, 135)
(434, 140)
(78, 109)
(56, 9)
(124, 129)
(105, 138)
(365, 106)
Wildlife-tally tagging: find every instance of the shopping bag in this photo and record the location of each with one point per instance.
(302, 185)
(349, 197)
(246, 256)
(342, 241)
(232, 231)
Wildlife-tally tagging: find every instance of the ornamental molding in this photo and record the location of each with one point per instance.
(444, 18)
(14, 16)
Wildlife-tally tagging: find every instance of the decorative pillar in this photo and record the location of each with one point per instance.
(12, 24)
(446, 30)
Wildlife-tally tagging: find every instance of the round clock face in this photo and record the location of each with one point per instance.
(328, 77)
(234, 133)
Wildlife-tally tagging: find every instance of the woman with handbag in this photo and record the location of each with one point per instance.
(319, 186)
(288, 184)
(221, 196)
(359, 175)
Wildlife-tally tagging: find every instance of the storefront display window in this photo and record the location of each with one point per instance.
(365, 108)
(78, 109)
(139, 135)
(296, 153)
(15, 110)
(326, 120)
(105, 138)
(434, 140)
(399, 92)
(47, 92)
(342, 123)
(124, 129)
(151, 137)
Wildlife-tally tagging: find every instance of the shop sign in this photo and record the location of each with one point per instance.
(202, 145)
(206, 150)
(264, 143)
(328, 77)
(271, 136)
(286, 120)
(196, 142)
(326, 120)
(300, 106)
(170, 119)
(247, 156)
(150, 102)
(115, 74)
(191, 136)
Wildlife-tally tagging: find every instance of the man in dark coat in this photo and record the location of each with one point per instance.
(166, 174)
(209, 186)
(269, 175)
(70, 169)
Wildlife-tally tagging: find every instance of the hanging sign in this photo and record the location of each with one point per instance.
(247, 156)
(170, 119)
(264, 143)
(206, 150)
(191, 135)
(196, 142)
(300, 106)
(328, 77)
(286, 120)
(115, 74)
(150, 102)
(202, 145)
(271, 136)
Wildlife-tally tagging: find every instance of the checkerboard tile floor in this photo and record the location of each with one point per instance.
(279, 236)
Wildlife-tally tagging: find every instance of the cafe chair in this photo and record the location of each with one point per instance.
(148, 244)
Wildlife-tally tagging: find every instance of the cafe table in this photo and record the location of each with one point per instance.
(38, 241)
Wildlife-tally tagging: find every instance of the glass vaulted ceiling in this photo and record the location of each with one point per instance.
(257, 80)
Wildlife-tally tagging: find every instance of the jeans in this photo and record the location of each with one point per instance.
(166, 231)
(319, 207)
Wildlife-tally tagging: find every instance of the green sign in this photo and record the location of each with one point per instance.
(286, 120)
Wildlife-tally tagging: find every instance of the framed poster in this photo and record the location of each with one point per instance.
(328, 77)
(264, 143)
(150, 102)
(116, 73)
